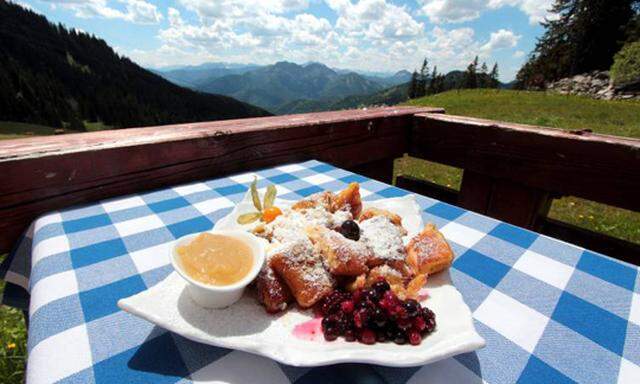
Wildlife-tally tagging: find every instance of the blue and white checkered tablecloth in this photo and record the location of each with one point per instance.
(549, 311)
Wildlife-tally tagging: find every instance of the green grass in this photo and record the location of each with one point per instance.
(621, 118)
(15, 130)
(13, 343)
(93, 126)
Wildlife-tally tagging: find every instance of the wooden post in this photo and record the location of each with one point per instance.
(503, 199)
(381, 170)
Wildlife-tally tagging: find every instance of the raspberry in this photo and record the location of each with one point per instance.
(375, 315)
(347, 306)
(419, 323)
(414, 337)
(367, 336)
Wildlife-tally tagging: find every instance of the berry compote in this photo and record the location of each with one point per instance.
(374, 315)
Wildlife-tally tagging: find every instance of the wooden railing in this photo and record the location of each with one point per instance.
(511, 171)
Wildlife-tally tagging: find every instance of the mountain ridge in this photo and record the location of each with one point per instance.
(60, 77)
(278, 84)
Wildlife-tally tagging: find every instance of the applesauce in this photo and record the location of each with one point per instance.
(216, 259)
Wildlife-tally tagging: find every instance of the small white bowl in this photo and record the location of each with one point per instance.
(220, 296)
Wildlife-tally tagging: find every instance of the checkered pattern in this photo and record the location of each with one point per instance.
(550, 311)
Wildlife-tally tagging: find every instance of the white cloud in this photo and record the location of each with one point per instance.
(457, 11)
(207, 9)
(175, 20)
(366, 34)
(501, 39)
(452, 11)
(375, 19)
(537, 10)
(519, 54)
(135, 11)
(142, 12)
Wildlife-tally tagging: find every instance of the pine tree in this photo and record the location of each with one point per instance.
(440, 85)
(432, 81)
(483, 78)
(413, 85)
(632, 30)
(422, 79)
(470, 79)
(493, 77)
(584, 37)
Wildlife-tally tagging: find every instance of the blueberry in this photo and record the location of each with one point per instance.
(412, 307)
(381, 287)
(350, 230)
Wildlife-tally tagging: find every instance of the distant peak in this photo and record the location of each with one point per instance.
(285, 64)
(314, 64)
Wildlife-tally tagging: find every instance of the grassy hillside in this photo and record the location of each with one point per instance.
(620, 118)
(388, 96)
(16, 130)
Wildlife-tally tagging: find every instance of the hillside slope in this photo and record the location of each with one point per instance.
(52, 76)
(539, 108)
(388, 96)
(275, 85)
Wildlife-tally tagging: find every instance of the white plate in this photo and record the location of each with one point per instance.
(245, 326)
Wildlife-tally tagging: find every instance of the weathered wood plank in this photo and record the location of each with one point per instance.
(596, 167)
(48, 173)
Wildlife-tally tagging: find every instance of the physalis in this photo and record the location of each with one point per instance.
(267, 212)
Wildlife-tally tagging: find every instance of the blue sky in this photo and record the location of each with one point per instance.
(377, 35)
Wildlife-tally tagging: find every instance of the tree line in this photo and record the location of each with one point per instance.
(425, 82)
(584, 35)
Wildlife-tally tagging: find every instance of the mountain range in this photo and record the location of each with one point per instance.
(388, 96)
(286, 88)
(57, 77)
(191, 76)
(283, 84)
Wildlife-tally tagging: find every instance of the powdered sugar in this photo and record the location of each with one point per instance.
(301, 256)
(291, 225)
(347, 250)
(388, 273)
(383, 237)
